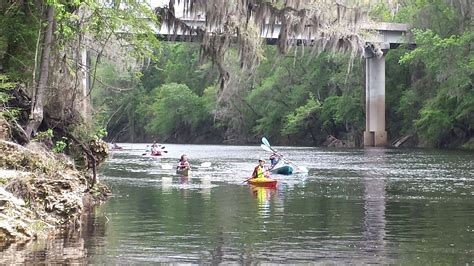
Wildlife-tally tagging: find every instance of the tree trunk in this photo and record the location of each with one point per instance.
(36, 116)
(131, 122)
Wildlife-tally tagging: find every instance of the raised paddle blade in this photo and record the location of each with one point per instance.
(166, 166)
(266, 148)
(206, 164)
(265, 141)
(303, 169)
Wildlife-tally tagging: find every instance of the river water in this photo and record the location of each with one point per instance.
(355, 206)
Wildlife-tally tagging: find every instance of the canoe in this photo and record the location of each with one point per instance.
(282, 169)
(183, 172)
(263, 182)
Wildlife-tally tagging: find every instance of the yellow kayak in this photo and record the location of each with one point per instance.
(262, 182)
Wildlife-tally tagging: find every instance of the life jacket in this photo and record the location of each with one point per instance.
(183, 164)
(258, 172)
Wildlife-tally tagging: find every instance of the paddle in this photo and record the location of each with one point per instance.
(162, 147)
(267, 176)
(202, 165)
(265, 141)
(246, 180)
(206, 164)
(266, 146)
(166, 166)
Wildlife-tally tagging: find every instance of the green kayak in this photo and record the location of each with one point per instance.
(183, 172)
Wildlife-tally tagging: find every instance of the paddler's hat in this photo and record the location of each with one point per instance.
(261, 160)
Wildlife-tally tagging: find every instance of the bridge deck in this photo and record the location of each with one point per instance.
(391, 34)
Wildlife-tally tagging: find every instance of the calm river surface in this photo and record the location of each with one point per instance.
(355, 206)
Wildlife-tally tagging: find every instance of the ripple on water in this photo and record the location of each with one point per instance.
(355, 206)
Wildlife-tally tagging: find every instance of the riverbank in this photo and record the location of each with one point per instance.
(41, 193)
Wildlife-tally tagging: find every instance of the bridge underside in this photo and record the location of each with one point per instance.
(268, 41)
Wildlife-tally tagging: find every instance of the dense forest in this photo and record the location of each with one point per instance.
(297, 97)
(301, 97)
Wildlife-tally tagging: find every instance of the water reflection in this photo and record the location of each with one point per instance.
(166, 184)
(206, 187)
(374, 206)
(69, 246)
(184, 180)
(354, 207)
(263, 196)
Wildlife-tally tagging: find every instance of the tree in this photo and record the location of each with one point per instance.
(37, 106)
(63, 30)
(176, 108)
(325, 25)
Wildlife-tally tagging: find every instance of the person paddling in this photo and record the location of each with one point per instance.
(275, 158)
(183, 163)
(157, 149)
(115, 146)
(260, 171)
(154, 147)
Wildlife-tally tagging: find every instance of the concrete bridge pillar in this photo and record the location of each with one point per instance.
(374, 134)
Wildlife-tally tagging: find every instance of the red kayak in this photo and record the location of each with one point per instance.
(156, 153)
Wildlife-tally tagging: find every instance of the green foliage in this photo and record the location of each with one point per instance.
(5, 86)
(433, 125)
(101, 133)
(381, 12)
(450, 63)
(447, 59)
(6, 111)
(111, 17)
(437, 15)
(436, 101)
(123, 100)
(302, 117)
(60, 145)
(429, 89)
(18, 35)
(175, 107)
(43, 135)
(407, 108)
(180, 63)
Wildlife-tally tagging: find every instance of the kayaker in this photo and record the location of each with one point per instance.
(274, 158)
(260, 170)
(183, 163)
(115, 146)
(154, 147)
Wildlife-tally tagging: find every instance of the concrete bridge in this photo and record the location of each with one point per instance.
(385, 36)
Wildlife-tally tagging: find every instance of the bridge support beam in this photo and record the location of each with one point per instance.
(375, 134)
